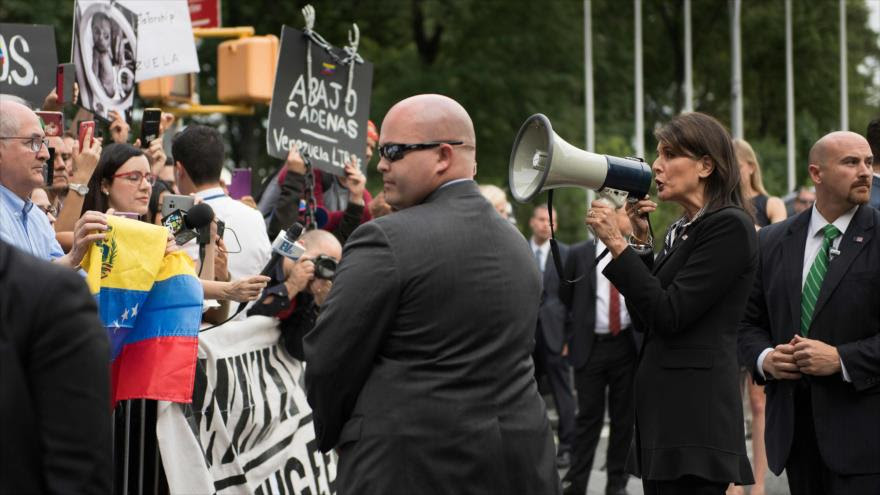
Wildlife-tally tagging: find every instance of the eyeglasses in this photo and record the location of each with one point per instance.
(136, 177)
(48, 210)
(393, 151)
(36, 142)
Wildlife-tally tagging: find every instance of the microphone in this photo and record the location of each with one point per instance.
(187, 225)
(285, 245)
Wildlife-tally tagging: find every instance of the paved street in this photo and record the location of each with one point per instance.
(774, 485)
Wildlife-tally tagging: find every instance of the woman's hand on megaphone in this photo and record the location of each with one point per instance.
(602, 220)
(638, 217)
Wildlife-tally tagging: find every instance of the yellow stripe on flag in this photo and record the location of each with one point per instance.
(129, 258)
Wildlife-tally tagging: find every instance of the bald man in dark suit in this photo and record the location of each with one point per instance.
(419, 368)
(811, 331)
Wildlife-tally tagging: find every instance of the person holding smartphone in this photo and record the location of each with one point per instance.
(23, 154)
(122, 183)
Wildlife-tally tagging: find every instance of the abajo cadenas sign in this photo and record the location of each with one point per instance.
(27, 61)
(323, 108)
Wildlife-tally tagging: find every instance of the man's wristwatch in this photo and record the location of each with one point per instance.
(80, 189)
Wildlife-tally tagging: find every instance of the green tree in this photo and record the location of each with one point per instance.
(505, 60)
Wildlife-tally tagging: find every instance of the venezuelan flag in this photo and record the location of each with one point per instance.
(151, 305)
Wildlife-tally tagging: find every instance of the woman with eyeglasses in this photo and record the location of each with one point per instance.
(122, 181)
(688, 303)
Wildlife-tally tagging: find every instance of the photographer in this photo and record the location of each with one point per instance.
(307, 282)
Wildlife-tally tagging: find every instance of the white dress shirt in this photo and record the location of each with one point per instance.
(811, 250)
(603, 296)
(543, 251)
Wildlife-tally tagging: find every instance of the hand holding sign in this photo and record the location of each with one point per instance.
(355, 182)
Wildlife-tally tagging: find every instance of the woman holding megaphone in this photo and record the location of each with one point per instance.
(688, 303)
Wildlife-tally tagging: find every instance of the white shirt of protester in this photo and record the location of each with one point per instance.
(245, 236)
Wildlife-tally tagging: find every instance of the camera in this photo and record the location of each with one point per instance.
(325, 267)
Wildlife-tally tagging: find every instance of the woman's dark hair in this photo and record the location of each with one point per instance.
(698, 135)
(112, 157)
(155, 207)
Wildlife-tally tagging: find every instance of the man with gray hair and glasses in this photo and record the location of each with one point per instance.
(23, 154)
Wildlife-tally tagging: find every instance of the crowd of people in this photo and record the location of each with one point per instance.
(426, 320)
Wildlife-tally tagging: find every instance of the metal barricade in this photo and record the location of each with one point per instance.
(137, 465)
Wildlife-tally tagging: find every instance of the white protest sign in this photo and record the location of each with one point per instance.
(165, 39)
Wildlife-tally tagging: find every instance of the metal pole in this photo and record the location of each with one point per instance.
(127, 447)
(588, 75)
(789, 100)
(590, 116)
(736, 70)
(639, 86)
(141, 454)
(844, 100)
(688, 60)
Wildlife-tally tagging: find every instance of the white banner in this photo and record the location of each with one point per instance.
(249, 429)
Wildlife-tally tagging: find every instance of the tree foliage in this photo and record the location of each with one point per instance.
(505, 60)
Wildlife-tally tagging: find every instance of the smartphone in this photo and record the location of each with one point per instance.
(64, 79)
(53, 123)
(175, 223)
(49, 168)
(221, 227)
(127, 214)
(83, 127)
(240, 185)
(174, 202)
(150, 126)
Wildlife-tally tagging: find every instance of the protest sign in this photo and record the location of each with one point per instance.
(249, 428)
(166, 46)
(104, 54)
(27, 61)
(320, 106)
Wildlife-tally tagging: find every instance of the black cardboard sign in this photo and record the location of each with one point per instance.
(325, 116)
(27, 61)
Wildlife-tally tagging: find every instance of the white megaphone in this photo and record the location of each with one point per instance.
(542, 160)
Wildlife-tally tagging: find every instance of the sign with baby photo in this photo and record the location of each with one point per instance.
(27, 61)
(105, 55)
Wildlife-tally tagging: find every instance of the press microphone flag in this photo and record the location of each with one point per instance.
(285, 245)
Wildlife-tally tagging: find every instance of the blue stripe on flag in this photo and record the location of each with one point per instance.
(172, 309)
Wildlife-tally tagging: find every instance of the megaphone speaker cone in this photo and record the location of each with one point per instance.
(530, 158)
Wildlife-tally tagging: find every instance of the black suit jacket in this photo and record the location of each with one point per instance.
(689, 304)
(54, 381)
(846, 416)
(552, 313)
(579, 299)
(419, 368)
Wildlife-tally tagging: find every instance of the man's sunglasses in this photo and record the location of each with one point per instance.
(393, 151)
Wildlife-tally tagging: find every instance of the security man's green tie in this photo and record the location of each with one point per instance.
(814, 278)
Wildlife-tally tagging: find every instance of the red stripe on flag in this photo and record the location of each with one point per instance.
(162, 368)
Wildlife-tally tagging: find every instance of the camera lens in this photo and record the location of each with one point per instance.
(325, 267)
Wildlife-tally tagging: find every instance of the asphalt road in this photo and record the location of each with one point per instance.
(774, 485)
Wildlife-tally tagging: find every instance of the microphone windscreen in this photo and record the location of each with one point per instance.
(199, 215)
